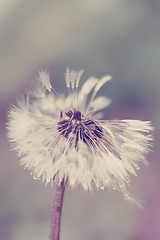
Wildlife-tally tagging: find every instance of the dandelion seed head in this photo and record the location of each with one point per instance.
(61, 138)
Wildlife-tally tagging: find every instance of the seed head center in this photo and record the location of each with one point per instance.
(79, 127)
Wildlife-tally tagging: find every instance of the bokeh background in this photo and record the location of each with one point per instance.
(116, 37)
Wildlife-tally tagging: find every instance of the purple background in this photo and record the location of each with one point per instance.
(119, 38)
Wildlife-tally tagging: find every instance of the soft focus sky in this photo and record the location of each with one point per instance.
(116, 37)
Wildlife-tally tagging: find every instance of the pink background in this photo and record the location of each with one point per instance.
(119, 38)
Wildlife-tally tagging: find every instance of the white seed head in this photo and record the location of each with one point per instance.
(60, 138)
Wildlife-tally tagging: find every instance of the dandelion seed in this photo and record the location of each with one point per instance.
(44, 79)
(67, 142)
(37, 90)
(134, 202)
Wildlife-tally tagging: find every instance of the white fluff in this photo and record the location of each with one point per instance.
(37, 90)
(44, 79)
(56, 143)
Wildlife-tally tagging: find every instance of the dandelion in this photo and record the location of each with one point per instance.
(63, 139)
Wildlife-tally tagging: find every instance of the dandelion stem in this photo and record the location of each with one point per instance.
(56, 211)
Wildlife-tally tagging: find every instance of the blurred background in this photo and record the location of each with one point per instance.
(119, 38)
